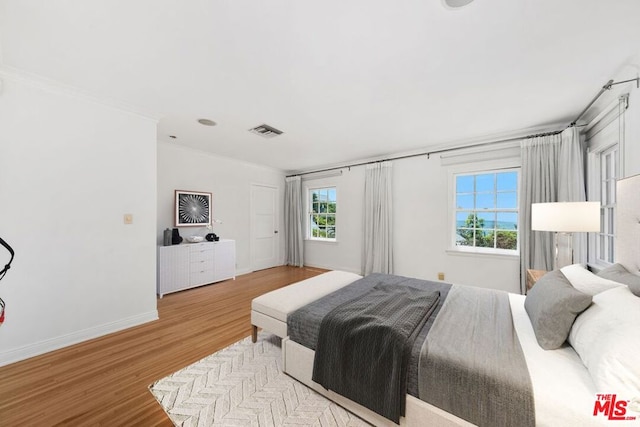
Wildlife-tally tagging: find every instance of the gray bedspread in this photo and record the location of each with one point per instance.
(472, 364)
(364, 346)
(303, 324)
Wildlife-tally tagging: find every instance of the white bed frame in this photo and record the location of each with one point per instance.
(298, 360)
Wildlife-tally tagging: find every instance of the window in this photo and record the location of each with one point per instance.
(322, 214)
(609, 168)
(486, 211)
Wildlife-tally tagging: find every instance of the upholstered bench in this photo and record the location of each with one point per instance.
(269, 311)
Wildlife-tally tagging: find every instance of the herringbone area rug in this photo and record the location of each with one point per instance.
(243, 385)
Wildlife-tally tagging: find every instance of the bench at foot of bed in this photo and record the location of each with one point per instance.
(269, 311)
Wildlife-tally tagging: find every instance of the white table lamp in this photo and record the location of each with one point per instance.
(565, 218)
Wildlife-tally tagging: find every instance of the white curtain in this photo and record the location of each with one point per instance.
(552, 171)
(538, 182)
(378, 239)
(293, 217)
(571, 183)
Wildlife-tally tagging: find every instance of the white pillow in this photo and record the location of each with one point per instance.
(585, 281)
(607, 338)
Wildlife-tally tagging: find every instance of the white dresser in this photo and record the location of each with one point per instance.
(189, 265)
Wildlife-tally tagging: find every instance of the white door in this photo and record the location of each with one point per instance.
(264, 227)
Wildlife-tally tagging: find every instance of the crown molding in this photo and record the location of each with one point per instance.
(49, 85)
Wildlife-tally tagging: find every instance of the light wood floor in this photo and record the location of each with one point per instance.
(104, 381)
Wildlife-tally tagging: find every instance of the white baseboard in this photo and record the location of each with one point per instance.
(36, 349)
(327, 267)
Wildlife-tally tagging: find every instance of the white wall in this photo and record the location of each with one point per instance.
(229, 181)
(420, 209)
(70, 168)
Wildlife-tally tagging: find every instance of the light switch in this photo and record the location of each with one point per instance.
(128, 218)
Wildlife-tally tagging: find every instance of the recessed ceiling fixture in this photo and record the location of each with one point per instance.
(207, 122)
(456, 3)
(266, 131)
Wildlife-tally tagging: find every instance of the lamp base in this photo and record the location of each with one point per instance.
(564, 250)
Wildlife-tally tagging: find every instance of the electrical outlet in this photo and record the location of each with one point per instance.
(128, 218)
(440, 276)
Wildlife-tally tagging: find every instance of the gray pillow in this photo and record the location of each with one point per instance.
(618, 273)
(552, 305)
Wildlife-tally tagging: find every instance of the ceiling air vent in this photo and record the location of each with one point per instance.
(266, 131)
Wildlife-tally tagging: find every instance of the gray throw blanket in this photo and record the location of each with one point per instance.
(364, 346)
(472, 364)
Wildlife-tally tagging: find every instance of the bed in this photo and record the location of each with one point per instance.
(571, 383)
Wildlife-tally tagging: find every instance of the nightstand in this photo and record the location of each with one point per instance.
(533, 276)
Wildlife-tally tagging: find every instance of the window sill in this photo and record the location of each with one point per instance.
(596, 267)
(325, 242)
(472, 253)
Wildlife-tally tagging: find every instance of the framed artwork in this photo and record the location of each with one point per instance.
(192, 208)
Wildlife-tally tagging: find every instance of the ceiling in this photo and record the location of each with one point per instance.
(344, 80)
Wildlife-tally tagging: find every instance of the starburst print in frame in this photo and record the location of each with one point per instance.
(192, 208)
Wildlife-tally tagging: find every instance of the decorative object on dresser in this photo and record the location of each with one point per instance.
(176, 239)
(533, 276)
(167, 237)
(192, 208)
(564, 219)
(190, 265)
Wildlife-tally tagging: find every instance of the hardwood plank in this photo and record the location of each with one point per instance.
(105, 381)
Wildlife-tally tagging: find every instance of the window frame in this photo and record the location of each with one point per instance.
(310, 213)
(490, 168)
(603, 188)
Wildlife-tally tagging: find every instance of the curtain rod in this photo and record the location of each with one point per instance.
(427, 153)
(602, 90)
(482, 144)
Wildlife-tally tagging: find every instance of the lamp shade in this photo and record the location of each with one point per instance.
(566, 217)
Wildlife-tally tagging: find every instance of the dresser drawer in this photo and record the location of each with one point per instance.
(205, 264)
(201, 254)
(201, 277)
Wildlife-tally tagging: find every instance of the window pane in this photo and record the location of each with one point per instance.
(330, 220)
(484, 239)
(612, 191)
(464, 237)
(465, 219)
(508, 200)
(611, 250)
(331, 232)
(601, 245)
(610, 221)
(332, 195)
(485, 182)
(486, 220)
(322, 207)
(464, 201)
(507, 181)
(507, 221)
(464, 184)
(485, 201)
(507, 240)
(332, 208)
